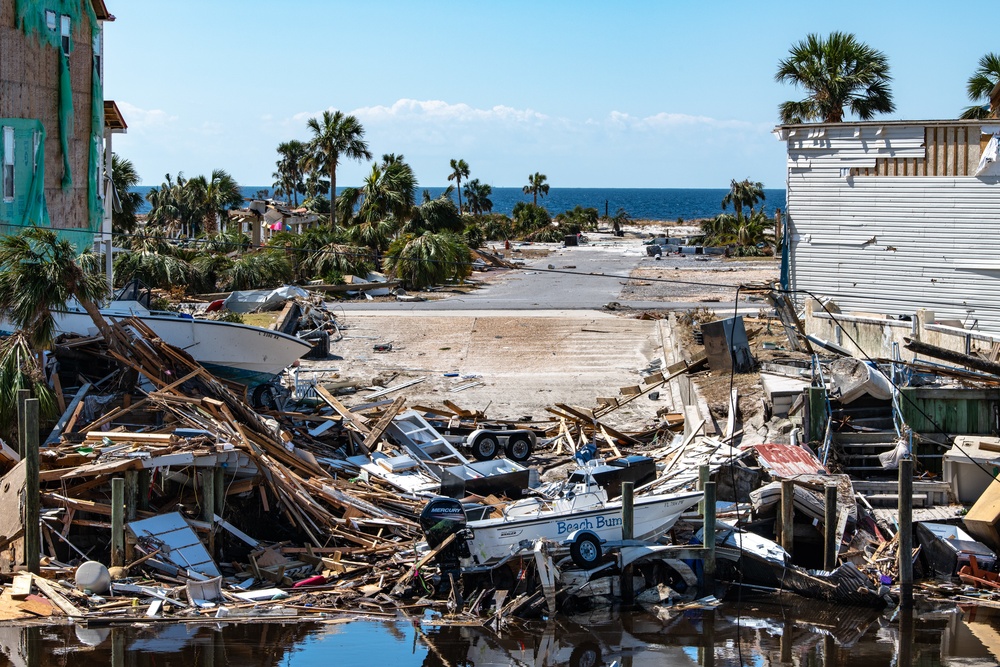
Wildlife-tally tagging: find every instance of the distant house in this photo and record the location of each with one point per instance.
(54, 121)
(888, 217)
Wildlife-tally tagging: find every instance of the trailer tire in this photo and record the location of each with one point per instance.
(586, 551)
(485, 447)
(518, 448)
(264, 397)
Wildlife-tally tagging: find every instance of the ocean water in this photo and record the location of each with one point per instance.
(640, 203)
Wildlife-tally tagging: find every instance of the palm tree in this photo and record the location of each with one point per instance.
(837, 72)
(743, 193)
(334, 136)
(289, 178)
(428, 259)
(536, 186)
(477, 197)
(213, 198)
(128, 202)
(40, 273)
(459, 170)
(981, 84)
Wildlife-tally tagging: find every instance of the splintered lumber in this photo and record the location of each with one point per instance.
(629, 394)
(412, 571)
(69, 415)
(383, 423)
(342, 410)
(587, 417)
(56, 598)
(966, 360)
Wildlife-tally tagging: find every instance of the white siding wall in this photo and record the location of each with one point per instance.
(891, 244)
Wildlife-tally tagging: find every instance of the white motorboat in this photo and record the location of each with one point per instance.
(250, 355)
(581, 519)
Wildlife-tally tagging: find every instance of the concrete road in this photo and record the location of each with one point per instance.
(585, 277)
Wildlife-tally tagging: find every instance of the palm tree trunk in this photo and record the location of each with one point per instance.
(534, 194)
(99, 321)
(458, 180)
(333, 197)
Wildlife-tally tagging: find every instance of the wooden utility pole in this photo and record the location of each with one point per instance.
(830, 547)
(628, 533)
(32, 492)
(117, 522)
(22, 396)
(905, 554)
(709, 535)
(787, 515)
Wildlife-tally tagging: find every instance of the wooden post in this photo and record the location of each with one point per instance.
(131, 494)
(208, 504)
(32, 492)
(817, 414)
(220, 490)
(144, 483)
(709, 535)
(118, 647)
(704, 473)
(905, 554)
(830, 547)
(787, 515)
(117, 522)
(22, 396)
(628, 533)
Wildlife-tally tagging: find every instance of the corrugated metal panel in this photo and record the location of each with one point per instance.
(893, 244)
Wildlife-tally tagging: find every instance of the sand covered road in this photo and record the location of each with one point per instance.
(520, 364)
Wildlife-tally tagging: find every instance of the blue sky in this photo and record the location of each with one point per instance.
(593, 94)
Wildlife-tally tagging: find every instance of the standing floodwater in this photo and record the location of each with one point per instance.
(753, 633)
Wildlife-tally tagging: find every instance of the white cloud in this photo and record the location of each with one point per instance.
(140, 120)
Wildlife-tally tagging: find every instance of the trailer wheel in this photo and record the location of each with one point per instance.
(264, 397)
(485, 447)
(586, 551)
(518, 448)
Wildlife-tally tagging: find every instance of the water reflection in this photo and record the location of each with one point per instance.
(756, 632)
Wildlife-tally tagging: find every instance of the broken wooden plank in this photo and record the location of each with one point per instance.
(56, 598)
(68, 415)
(342, 410)
(383, 423)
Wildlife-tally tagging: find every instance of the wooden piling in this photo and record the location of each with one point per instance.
(830, 547)
(709, 535)
(628, 533)
(208, 505)
(144, 483)
(787, 514)
(220, 490)
(117, 522)
(704, 474)
(32, 492)
(22, 396)
(817, 414)
(905, 555)
(131, 494)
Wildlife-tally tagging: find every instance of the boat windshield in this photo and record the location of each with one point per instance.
(135, 290)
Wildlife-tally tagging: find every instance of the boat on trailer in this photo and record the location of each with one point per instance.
(581, 520)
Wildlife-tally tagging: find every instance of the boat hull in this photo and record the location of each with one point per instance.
(246, 354)
(494, 539)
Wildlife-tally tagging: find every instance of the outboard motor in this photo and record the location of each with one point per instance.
(440, 518)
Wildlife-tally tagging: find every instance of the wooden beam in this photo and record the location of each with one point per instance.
(383, 423)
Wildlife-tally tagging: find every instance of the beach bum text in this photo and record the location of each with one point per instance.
(599, 522)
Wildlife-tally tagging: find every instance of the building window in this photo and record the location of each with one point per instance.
(8, 164)
(50, 19)
(97, 55)
(67, 28)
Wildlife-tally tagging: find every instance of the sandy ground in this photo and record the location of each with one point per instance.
(514, 364)
(697, 278)
(517, 364)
